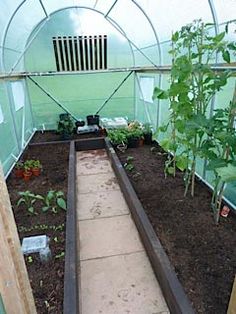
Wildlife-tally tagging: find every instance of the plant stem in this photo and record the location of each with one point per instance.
(193, 176)
(219, 201)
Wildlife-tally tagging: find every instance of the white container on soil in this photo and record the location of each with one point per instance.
(37, 244)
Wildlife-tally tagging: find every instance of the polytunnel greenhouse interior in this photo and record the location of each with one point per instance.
(166, 64)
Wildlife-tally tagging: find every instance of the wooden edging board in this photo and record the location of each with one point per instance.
(71, 279)
(172, 289)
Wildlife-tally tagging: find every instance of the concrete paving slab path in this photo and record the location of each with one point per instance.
(101, 205)
(108, 236)
(120, 284)
(116, 276)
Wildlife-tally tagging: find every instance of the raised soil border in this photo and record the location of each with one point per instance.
(71, 293)
(172, 289)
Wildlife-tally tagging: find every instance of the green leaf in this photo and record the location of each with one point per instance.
(61, 203)
(50, 194)
(45, 208)
(232, 46)
(194, 55)
(219, 37)
(216, 163)
(226, 56)
(39, 197)
(31, 210)
(182, 162)
(21, 200)
(59, 193)
(163, 128)
(170, 170)
(159, 93)
(175, 37)
(165, 144)
(227, 174)
(180, 125)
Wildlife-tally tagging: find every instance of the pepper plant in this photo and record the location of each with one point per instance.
(193, 85)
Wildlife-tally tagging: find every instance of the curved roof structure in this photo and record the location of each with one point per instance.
(142, 27)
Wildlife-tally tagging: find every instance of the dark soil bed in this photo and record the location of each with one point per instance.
(47, 279)
(51, 136)
(203, 255)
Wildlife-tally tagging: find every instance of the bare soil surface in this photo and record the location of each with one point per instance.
(51, 136)
(47, 279)
(203, 254)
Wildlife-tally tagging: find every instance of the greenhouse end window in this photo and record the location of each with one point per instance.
(1, 115)
(80, 53)
(146, 88)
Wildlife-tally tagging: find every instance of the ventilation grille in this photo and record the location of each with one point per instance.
(80, 53)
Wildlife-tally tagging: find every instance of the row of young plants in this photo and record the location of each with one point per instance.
(53, 201)
(194, 130)
(131, 135)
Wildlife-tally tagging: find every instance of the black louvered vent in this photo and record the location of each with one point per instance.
(80, 53)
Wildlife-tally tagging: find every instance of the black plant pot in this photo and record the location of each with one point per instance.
(79, 123)
(133, 142)
(93, 119)
(148, 138)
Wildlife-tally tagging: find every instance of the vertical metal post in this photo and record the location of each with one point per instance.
(135, 98)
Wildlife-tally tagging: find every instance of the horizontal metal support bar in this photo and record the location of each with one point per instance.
(157, 69)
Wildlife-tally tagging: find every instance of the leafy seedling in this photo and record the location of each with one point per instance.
(28, 199)
(60, 255)
(54, 201)
(128, 165)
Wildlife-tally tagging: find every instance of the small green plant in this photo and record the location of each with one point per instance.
(28, 199)
(134, 134)
(129, 165)
(28, 164)
(54, 201)
(36, 164)
(118, 136)
(29, 259)
(65, 126)
(19, 165)
(147, 128)
(60, 255)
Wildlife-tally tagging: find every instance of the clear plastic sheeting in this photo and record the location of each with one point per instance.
(141, 23)
(169, 16)
(225, 10)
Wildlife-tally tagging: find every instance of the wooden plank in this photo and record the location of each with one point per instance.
(14, 283)
(232, 302)
(71, 276)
